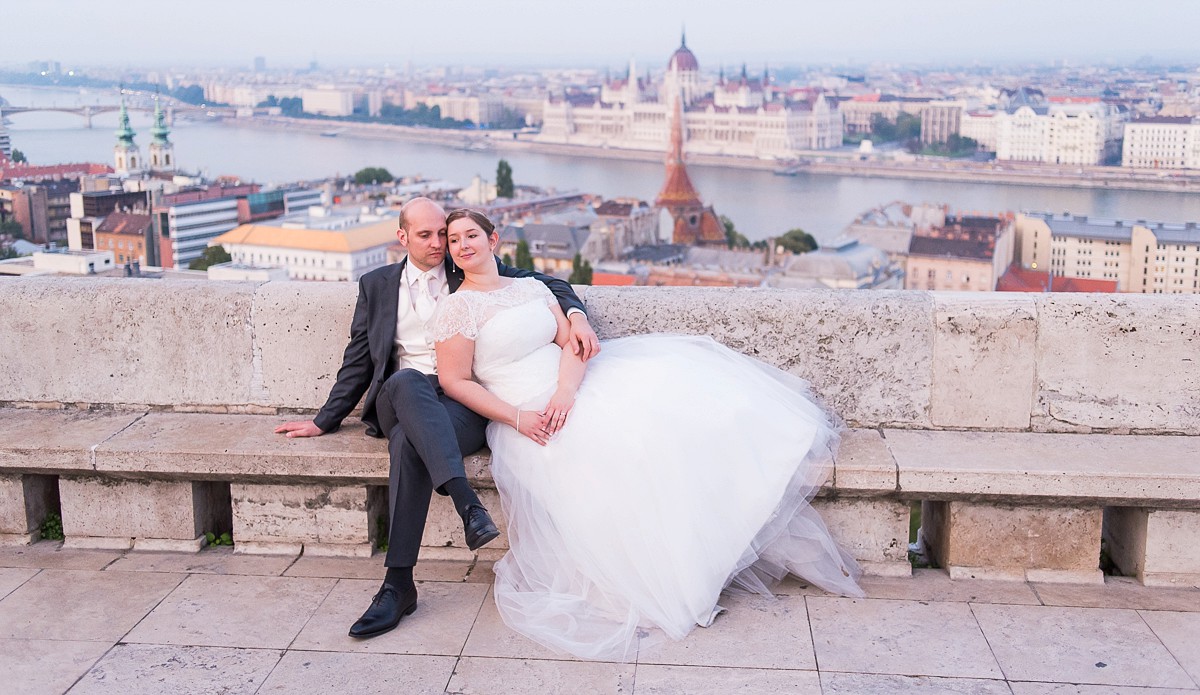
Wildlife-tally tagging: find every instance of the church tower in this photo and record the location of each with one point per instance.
(690, 221)
(162, 152)
(128, 158)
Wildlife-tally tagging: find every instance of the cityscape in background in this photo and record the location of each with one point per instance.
(1020, 138)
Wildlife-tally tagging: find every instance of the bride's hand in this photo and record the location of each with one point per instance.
(534, 425)
(556, 411)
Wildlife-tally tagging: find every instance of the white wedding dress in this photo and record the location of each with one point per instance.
(683, 467)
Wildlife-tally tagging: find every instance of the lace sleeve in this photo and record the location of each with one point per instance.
(456, 314)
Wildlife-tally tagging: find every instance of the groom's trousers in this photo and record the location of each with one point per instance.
(428, 434)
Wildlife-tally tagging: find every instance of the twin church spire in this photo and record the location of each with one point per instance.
(126, 154)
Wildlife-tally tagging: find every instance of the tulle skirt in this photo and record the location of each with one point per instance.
(684, 467)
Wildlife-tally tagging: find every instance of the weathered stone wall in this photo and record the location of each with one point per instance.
(1053, 363)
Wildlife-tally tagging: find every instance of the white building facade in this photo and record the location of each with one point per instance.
(1162, 143)
(742, 117)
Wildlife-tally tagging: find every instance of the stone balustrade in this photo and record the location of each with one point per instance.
(1029, 427)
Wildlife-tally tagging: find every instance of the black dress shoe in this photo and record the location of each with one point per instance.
(479, 527)
(387, 608)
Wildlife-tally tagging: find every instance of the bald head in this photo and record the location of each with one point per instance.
(409, 209)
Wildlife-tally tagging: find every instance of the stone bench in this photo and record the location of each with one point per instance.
(1010, 505)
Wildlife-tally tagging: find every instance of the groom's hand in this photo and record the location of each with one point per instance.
(582, 339)
(300, 429)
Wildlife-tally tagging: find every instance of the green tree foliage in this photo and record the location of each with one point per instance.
(524, 258)
(904, 128)
(191, 94)
(733, 238)
(504, 179)
(372, 175)
(291, 106)
(581, 271)
(420, 116)
(18, 156)
(797, 241)
(12, 228)
(955, 146)
(506, 259)
(211, 256)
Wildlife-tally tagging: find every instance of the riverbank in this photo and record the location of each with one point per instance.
(816, 163)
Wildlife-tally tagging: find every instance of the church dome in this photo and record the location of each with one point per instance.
(683, 59)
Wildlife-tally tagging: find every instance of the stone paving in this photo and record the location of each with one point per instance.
(136, 622)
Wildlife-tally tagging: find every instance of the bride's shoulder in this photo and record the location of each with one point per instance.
(532, 286)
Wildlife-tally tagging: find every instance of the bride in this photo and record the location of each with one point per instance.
(640, 484)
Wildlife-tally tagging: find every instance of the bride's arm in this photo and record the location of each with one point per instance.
(454, 358)
(571, 368)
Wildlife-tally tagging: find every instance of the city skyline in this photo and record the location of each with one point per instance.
(536, 32)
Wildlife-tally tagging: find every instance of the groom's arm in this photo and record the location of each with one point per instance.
(583, 338)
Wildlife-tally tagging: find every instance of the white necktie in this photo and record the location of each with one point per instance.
(424, 302)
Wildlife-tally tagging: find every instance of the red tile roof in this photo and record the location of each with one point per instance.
(1018, 279)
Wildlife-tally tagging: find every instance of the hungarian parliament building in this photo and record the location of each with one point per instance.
(739, 116)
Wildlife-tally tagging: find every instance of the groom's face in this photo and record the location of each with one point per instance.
(424, 235)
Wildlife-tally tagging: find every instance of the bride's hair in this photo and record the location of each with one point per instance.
(475, 216)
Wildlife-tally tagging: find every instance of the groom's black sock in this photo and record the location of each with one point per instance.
(400, 578)
(462, 494)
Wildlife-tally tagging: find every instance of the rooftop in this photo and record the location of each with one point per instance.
(339, 241)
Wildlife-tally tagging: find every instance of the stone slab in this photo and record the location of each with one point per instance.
(697, 680)
(341, 567)
(1117, 362)
(361, 674)
(999, 541)
(936, 585)
(863, 464)
(1102, 469)
(1096, 646)
(475, 674)
(235, 447)
(143, 341)
(103, 606)
(210, 561)
(286, 549)
(52, 555)
(984, 360)
(1159, 546)
(13, 577)
(439, 626)
(231, 611)
(307, 513)
(845, 343)
(339, 549)
(117, 543)
(34, 667)
(149, 669)
(298, 349)
(1120, 592)
(1178, 632)
(870, 684)
(1074, 689)
(111, 508)
(490, 637)
(754, 632)
(39, 440)
(907, 638)
(873, 531)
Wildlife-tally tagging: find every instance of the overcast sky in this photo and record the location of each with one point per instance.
(578, 32)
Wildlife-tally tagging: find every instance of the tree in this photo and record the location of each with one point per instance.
(211, 256)
(18, 156)
(12, 228)
(797, 241)
(506, 259)
(733, 238)
(524, 258)
(372, 175)
(504, 180)
(581, 271)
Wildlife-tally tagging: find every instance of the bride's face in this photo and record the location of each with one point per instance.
(470, 246)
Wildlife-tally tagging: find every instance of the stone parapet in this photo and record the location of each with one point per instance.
(906, 359)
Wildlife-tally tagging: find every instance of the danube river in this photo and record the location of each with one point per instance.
(760, 203)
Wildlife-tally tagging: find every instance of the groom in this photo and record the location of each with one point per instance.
(391, 358)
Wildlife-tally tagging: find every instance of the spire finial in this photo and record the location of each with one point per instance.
(683, 36)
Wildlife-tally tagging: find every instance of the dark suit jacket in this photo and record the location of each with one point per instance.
(367, 362)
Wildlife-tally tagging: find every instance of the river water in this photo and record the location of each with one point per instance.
(760, 203)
